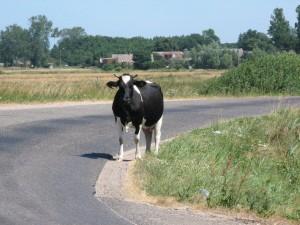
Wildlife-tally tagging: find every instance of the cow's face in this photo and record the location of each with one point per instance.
(127, 85)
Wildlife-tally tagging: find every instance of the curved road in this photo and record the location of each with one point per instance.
(50, 157)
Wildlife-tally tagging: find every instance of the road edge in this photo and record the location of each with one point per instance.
(114, 178)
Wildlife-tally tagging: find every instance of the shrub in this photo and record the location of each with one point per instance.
(268, 74)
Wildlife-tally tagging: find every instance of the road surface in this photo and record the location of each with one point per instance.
(50, 157)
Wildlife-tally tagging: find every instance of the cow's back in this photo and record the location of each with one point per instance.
(153, 103)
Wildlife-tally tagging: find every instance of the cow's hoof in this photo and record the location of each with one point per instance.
(120, 158)
(138, 157)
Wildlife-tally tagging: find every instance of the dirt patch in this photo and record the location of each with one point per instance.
(12, 106)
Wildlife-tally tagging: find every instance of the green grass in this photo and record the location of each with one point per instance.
(249, 163)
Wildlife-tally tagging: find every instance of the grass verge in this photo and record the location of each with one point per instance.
(250, 164)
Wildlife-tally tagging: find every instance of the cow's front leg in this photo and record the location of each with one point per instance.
(121, 133)
(138, 154)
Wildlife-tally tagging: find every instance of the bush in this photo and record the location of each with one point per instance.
(267, 74)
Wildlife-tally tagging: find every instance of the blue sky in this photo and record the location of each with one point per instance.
(150, 18)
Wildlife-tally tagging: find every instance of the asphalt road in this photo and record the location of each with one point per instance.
(50, 157)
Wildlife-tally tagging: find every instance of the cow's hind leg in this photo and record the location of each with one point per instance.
(157, 131)
(121, 133)
(138, 154)
(148, 137)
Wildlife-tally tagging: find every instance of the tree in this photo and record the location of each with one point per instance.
(164, 44)
(280, 31)
(209, 37)
(40, 30)
(14, 45)
(253, 39)
(297, 27)
(206, 56)
(142, 59)
(72, 33)
(226, 60)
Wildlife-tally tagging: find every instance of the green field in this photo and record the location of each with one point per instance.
(248, 164)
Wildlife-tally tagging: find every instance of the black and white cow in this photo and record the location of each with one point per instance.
(137, 103)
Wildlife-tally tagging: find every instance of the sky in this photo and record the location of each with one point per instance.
(149, 18)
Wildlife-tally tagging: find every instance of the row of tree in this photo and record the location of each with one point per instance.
(282, 36)
(26, 45)
(20, 46)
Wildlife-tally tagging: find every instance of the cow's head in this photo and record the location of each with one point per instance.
(126, 84)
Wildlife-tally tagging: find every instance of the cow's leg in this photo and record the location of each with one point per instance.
(157, 131)
(138, 154)
(121, 133)
(148, 137)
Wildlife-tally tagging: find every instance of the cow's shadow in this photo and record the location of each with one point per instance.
(94, 155)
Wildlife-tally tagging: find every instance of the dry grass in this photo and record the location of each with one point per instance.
(21, 86)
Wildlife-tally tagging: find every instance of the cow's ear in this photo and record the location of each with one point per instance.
(139, 83)
(112, 84)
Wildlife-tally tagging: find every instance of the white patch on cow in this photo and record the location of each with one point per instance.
(121, 133)
(148, 82)
(127, 126)
(126, 78)
(138, 91)
(138, 154)
(157, 132)
(143, 123)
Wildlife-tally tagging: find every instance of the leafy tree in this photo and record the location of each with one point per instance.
(213, 56)
(164, 44)
(188, 41)
(212, 60)
(280, 31)
(72, 33)
(297, 26)
(226, 60)
(256, 53)
(253, 39)
(14, 45)
(40, 30)
(142, 60)
(209, 37)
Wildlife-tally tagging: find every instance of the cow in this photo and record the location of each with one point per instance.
(139, 104)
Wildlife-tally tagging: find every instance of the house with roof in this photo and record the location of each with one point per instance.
(118, 58)
(168, 55)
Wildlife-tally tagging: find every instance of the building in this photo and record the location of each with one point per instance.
(238, 51)
(118, 58)
(169, 55)
(123, 58)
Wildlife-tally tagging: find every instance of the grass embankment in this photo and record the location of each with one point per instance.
(76, 85)
(250, 164)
